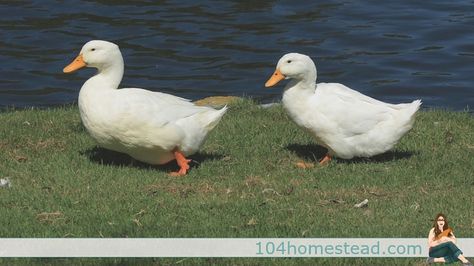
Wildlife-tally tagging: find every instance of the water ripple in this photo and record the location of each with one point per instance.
(395, 51)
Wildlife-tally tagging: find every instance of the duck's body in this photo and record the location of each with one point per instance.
(151, 127)
(346, 122)
(146, 125)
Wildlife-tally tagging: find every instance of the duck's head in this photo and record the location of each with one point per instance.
(98, 54)
(293, 66)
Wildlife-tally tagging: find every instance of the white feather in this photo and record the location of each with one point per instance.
(348, 123)
(144, 124)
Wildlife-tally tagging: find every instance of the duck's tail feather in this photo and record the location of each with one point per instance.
(416, 105)
(197, 127)
(212, 119)
(411, 110)
(408, 110)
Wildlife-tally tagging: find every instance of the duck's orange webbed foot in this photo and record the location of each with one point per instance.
(304, 165)
(182, 162)
(325, 160)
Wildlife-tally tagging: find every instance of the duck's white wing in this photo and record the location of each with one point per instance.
(352, 112)
(146, 119)
(155, 108)
(350, 95)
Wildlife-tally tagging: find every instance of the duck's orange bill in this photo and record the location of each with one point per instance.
(78, 63)
(275, 78)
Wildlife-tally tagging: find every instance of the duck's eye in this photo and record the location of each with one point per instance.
(93, 49)
(289, 61)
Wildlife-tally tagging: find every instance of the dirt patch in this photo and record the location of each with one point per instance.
(254, 181)
(216, 101)
(50, 217)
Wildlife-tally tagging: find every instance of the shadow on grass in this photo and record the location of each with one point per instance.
(381, 158)
(108, 157)
(308, 152)
(313, 152)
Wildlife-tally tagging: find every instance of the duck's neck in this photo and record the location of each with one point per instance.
(298, 93)
(108, 76)
(306, 82)
(301, 87)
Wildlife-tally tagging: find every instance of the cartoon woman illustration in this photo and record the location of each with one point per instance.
(442, 243)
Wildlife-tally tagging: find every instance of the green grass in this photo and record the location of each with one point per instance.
(244, 183)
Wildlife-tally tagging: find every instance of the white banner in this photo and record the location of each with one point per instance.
(221, 247)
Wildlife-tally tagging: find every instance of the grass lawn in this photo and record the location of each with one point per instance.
(243, 183)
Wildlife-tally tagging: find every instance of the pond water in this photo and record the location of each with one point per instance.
(395, 51)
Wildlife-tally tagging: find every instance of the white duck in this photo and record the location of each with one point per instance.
(346, 122)
(151, 127)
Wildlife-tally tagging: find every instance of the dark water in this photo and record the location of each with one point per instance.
(395, 51)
